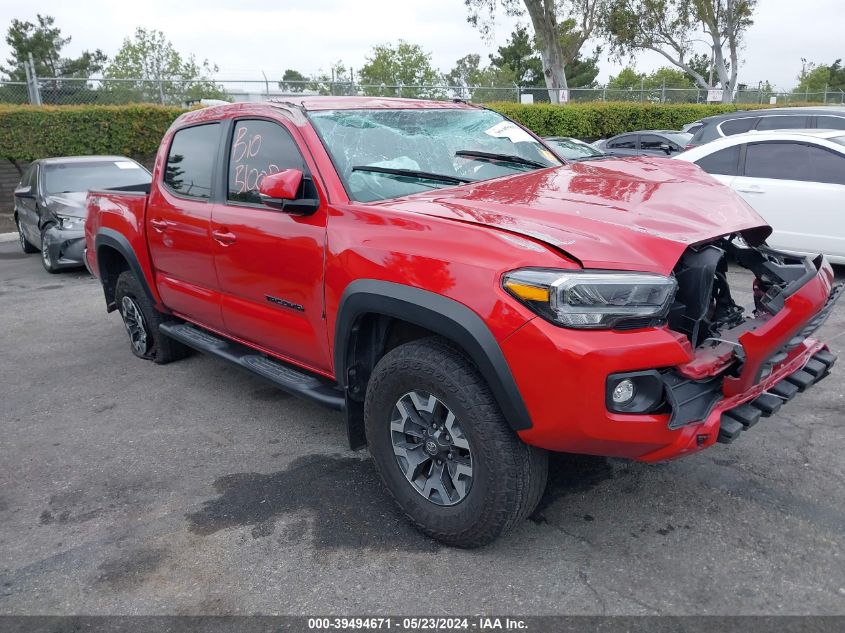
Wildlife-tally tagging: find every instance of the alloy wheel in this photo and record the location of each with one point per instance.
(133, 319)
(21, 236)
(431, 448)
(45, 254)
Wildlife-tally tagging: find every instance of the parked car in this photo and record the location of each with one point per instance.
(645, 143)
(572, 149)
(794, 179)
(50, 203)
(721, 125)
(434, 272)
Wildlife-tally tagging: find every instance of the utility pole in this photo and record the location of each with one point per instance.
(36, 89)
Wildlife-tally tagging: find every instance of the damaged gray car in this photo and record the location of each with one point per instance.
(50, 203)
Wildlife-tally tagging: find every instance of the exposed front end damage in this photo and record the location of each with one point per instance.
(733, 347)
(746, 361)
(64, 246)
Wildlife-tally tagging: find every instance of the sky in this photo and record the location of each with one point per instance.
(247, 37)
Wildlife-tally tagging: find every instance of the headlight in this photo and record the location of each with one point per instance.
(593, 300)
(70, 222)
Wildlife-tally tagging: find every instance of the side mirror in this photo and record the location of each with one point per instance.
(290, 191)
(666, 148)
(24, 192)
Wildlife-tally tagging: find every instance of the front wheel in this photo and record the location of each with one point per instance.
(141, 320)
(443, 448)
(46, 258)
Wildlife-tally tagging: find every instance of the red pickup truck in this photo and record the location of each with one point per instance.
(467, 298)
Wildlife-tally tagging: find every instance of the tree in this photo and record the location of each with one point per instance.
(672, 28)
(402, 64)
(668, 77)
(153, 71)
(473, 82)
(821, 77)
(45, 42)
(293, 81)
(519, 55)
(338, 81)
(561, 28)
(581, 72)
(627, 79)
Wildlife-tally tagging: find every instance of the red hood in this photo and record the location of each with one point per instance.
(626, 213)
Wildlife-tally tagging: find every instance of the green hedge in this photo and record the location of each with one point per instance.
(30, 132)
(597, 120)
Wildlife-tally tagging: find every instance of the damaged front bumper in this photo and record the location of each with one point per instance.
(754, 368)
(751, 364)
(65, 246)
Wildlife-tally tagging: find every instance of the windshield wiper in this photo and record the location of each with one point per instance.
(502, 158)
(412, 173)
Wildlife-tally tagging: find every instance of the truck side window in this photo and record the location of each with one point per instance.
(190, 161)
(259, 148)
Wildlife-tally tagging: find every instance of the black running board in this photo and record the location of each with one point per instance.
(292, 380)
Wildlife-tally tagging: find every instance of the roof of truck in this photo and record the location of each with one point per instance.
(359, 103)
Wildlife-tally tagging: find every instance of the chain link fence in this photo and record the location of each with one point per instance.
(174, 92)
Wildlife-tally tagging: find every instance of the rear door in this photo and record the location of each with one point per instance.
(799, 189)
(179, 225)
(270, 263)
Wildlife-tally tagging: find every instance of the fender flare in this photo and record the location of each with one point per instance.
(441, 315)
(118, 242)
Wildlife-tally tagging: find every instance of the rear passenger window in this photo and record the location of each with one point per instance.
(190, 161)
(652, 142)
(724, 162)
(783, 161)
(259, 148)
(783, 123)
(830, 122)
(827, 166)
(737, 126)
(624, 142)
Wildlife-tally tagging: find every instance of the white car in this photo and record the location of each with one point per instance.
(795, 179)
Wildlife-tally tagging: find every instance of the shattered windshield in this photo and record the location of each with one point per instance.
(382, 154)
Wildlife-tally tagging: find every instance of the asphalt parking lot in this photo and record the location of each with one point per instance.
(193, 488)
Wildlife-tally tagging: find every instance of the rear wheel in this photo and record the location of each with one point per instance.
(141, 320)
(26, 247)
(443, 448)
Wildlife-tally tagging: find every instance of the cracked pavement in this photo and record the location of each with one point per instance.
(193, 488)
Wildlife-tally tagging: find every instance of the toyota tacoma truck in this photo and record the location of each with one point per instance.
(468, 300)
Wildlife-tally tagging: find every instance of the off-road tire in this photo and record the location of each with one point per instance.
(26, 247)
(509, 476)
(159, 348)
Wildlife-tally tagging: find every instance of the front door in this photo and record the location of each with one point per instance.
(179, 225)
(270, 263)
(27, 207)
